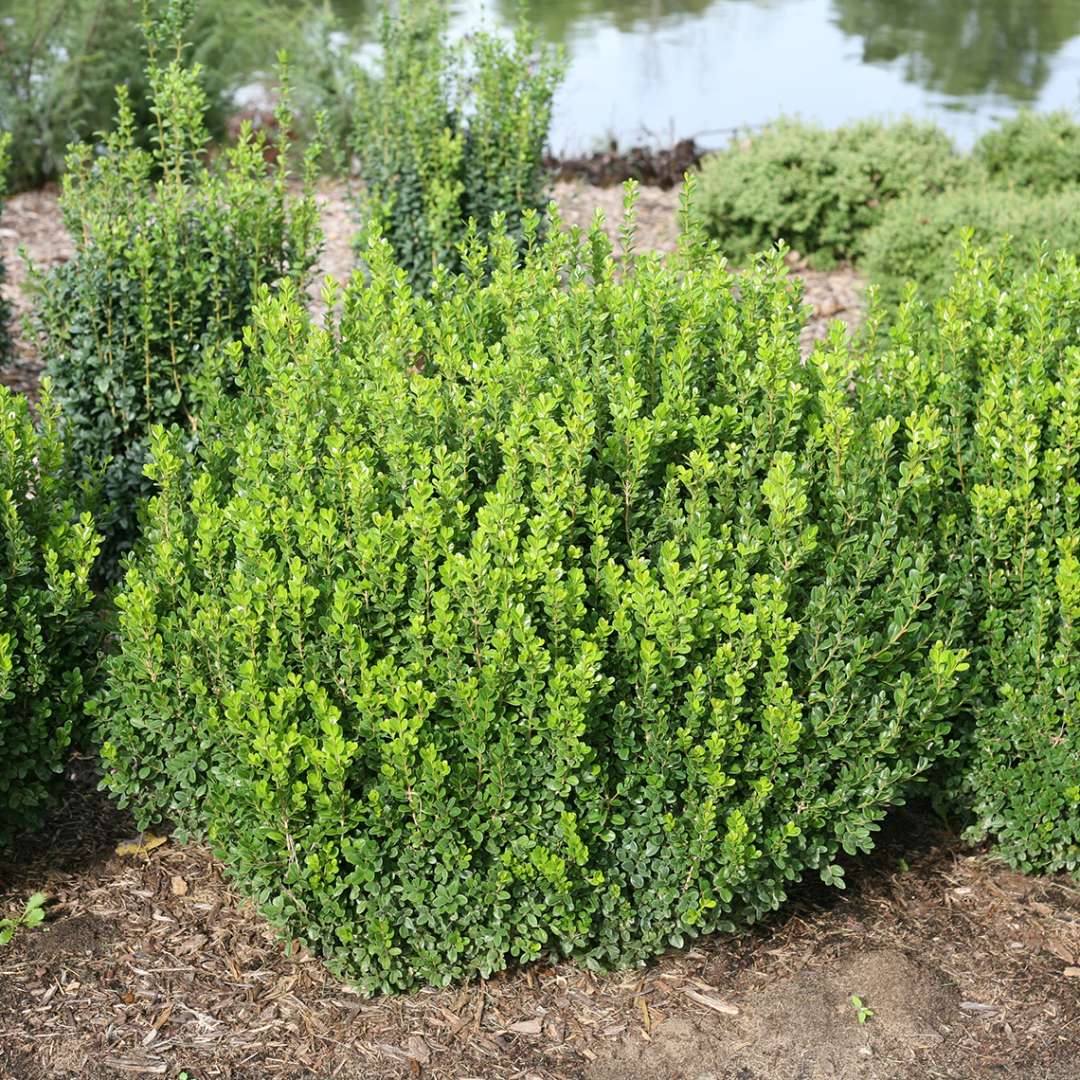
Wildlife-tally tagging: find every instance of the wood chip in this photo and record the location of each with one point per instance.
(646, 1019)
(1072, 973)
(149, 1066)
(527, 1027)
(418, 1050)
(140, 845)
(710, 1002)
(179, 886)
(1061, 951)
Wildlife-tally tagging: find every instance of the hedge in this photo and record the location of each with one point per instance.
(1036, 152)
(918, 238)
(998, 359)
(170, 251)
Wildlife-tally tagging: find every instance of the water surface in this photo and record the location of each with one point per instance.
(664, 69)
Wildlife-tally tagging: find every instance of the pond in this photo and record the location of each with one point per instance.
(659, 70)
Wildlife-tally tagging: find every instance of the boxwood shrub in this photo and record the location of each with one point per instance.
(564, 611)
(1000, 361)
(1036, 152)
(448, 132)
(170, 251)
(918, 238)
(820, 189)
(49, 630)
(6, 342)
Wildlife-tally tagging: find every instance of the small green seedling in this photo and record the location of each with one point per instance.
(864, 1012)
(32, 915)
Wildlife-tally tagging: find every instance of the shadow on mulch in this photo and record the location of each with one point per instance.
(79, 835)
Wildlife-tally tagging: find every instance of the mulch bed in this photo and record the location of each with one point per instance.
(663, 167)
(150, 964)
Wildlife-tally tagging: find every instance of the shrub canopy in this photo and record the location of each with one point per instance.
(562, 611)
(170, 252)
(49, 631)
(818, 189)
(999, 361)
(1036, 152)
(445, 133)
(918, 238)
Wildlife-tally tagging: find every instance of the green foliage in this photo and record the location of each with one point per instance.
(61, 61)
(918, 237)
(169, 254)
(817, 189)
(997, 49)
(445, 133)
(33, 914)
(5, 307)
(567, 610)
(48, 630)
(998, 359)
(862, 1011)
(1036, 152)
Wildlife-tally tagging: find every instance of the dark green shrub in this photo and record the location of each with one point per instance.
(169, 254)
(918, 238)
(566, 611)
(5, 307)
(48, 629)
(998, 357)
(61, 61)
(817, 189)
(1037, 152)
(445, 133)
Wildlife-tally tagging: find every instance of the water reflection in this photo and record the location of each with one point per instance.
(563, 21)
(672, 68)
(964, 48)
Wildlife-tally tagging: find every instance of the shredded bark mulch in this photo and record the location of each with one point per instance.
(151, 964)
(662, 167)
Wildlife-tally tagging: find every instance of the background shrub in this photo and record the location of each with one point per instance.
(444, 133)
(999, 359)
(6, 342)
(563, 611)
(61, 61)
(169, 254)
(48, 629)
(918, 238)
(1037, 152)
(818, 189)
